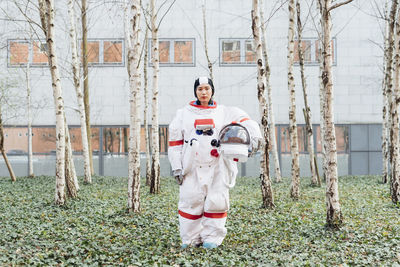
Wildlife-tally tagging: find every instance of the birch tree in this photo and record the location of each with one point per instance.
(274, 146)
(389, 78)
(266, 188)
(29, 115)
(385, 111)
(79, 95)
(46, 9)
(295, 171)
(155, 160)
(307, 111)
(209, 64)
(394, 111)
(333, 214)
(86, 82)
(146, 108)
(133, 43)
(70, 175)
(2, 149)
(321, 92)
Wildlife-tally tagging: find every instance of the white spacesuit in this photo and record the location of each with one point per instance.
(207, 176)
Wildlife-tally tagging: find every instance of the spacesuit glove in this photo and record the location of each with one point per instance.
(178, 176)
(179, 179)
(255, 145)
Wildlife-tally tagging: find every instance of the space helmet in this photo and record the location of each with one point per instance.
(234, 142)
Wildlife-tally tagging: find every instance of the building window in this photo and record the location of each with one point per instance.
(22, 52)
(107, 52)
(310, 47)
(175, 52)
(237, 52)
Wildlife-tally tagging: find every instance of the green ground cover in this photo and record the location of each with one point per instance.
(96, 230)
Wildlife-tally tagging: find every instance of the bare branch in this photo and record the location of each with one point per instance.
(339, 4)
(166, 12)
(146, 14)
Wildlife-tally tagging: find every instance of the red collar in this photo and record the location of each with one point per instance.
(193, 103)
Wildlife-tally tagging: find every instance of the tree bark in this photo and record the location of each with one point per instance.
(70, 174)
(295, 173)
(334, 215)
(395, 142)
(307, 111)
(79, 95)
(271, 117)
(155, 166)
(266, 188)
(389, 81)
(132, 36)
(47, 18)
(146, 108)
(2, 149)
(209, 64)
(29, 111)
(86, 85)
(321, 95)
(385, 109)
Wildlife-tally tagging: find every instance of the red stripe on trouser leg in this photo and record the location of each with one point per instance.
(215, 215)
(189, 216)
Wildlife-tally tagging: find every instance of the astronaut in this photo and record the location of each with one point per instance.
(204, 174)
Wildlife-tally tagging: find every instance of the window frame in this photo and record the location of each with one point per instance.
(172, 52)
(242, 56)
(30, 53)
(314, 60)
(101, 52)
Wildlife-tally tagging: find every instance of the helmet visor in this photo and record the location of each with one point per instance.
(234, 134)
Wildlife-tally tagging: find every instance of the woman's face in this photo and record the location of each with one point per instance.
(204, 93)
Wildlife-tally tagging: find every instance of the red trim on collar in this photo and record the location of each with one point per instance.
(193, 103)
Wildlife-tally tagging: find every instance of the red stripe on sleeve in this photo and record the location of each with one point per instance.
(189, 216)
(215, 215)
(245, 119)
(175, 143)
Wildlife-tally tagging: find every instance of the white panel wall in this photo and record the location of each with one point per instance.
(357, 72)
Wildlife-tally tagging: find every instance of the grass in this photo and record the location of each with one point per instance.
(96, 230)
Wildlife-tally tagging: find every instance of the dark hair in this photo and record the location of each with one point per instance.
(197, 83)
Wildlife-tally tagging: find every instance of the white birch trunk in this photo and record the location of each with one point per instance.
(47, 18)
(389, 82)
(29, 111)
(307, 111)
(146, 108)
(321, 93)
(209, 64)
(85, 68)
(132, 36)
(295, 185)
(334, 215)
(2, 150)
(395, 181)
(271, 117)
(70, 173)
(266, 188)
(79, 94)
(155, 167)
(385, 102)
